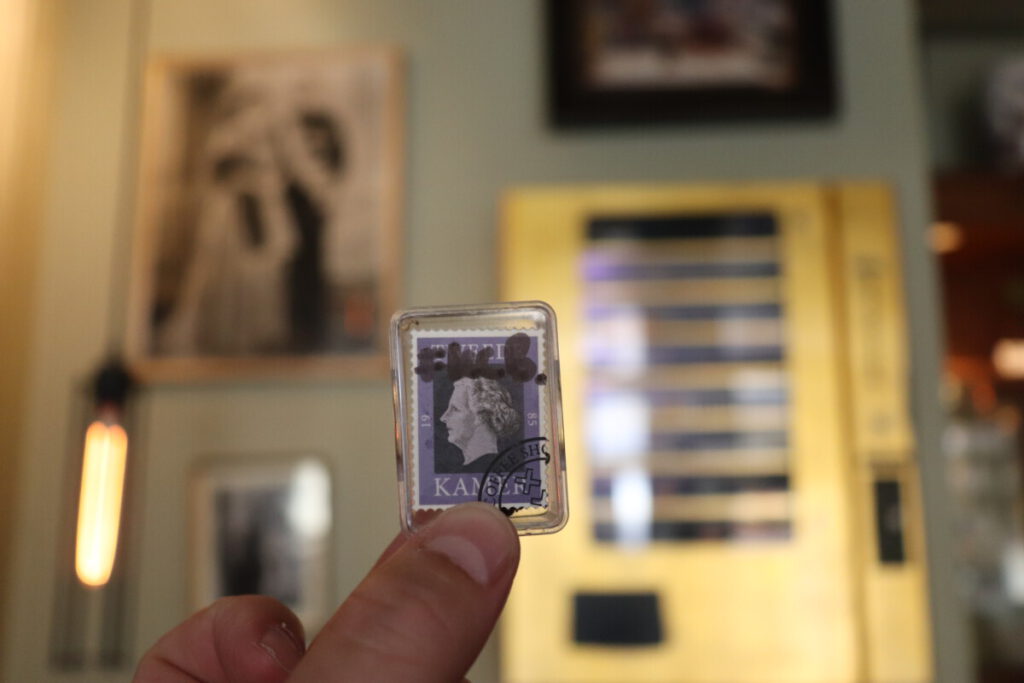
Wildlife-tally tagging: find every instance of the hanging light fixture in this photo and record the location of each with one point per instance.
(104, 458)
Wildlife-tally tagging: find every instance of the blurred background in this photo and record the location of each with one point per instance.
(793, 141)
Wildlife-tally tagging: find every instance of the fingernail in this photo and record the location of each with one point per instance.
(283, 646)
(476, 537)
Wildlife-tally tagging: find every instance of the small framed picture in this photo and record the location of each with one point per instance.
(268, 215)
(263, 526)
(649, 61)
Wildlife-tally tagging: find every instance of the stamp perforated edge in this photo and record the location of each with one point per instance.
(536, 333)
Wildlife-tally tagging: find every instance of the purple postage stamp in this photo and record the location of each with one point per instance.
(480, 428)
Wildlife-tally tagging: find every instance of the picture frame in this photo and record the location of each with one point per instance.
(262, 525)
(612, 62)
(268, 215)
(955, 18)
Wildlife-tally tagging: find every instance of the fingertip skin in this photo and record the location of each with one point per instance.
(227, 642)
(424, 613)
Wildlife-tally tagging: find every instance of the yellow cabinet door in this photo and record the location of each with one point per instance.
(719, 526)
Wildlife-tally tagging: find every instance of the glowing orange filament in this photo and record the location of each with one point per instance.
(99, 503)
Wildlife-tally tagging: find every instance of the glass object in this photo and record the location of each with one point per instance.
(99, 505)
(479, 413)
(104, 460)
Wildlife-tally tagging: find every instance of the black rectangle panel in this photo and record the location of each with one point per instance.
(622, 619)
(889, 522)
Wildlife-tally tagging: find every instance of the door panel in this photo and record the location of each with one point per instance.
(716, 500)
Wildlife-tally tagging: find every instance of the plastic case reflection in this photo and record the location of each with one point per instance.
(478, 412)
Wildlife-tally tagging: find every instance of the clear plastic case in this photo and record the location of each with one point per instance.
(478, 412)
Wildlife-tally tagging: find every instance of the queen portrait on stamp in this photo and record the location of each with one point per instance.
(480, 411)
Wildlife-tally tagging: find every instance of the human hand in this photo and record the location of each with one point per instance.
(422, 614)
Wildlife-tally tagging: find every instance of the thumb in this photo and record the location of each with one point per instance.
(424, 613)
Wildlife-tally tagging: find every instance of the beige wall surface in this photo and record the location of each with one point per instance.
(26, 46)
(475, 125)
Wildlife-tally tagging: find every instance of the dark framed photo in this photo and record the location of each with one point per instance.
(262, 525)
(268, 215)
(663, 61)
(956, 17)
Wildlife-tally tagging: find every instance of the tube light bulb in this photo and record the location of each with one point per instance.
(99, 503)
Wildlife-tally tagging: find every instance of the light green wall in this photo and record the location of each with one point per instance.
(475, 126)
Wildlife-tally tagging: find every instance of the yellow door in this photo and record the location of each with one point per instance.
(719, 525)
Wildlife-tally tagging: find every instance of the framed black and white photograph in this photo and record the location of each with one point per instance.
(262, 526)
(663, 61)
(268, 215)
